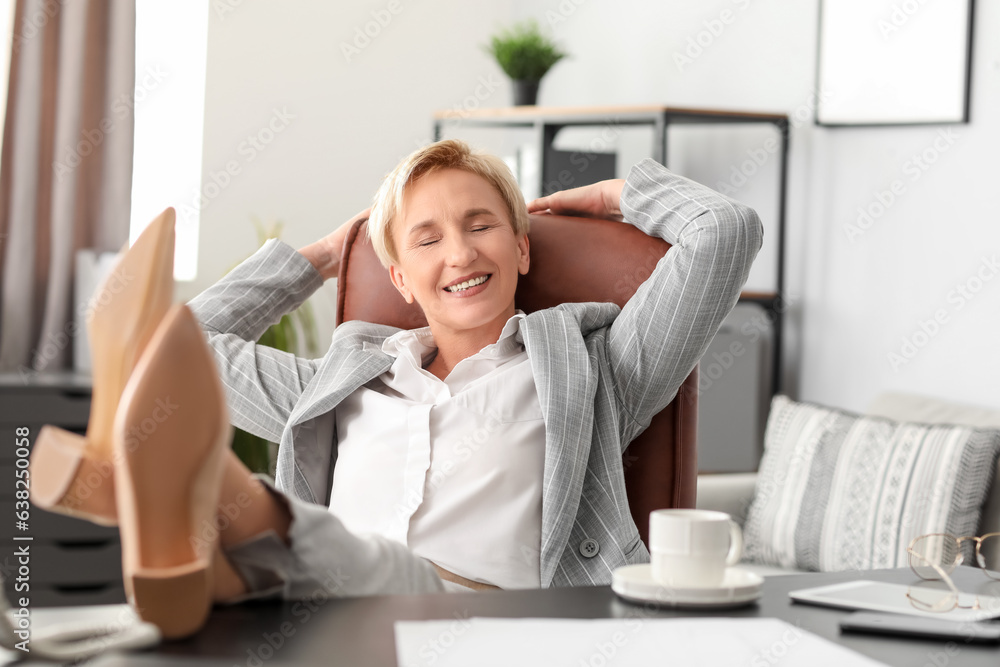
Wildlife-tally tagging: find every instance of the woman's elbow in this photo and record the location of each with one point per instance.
(738, 229)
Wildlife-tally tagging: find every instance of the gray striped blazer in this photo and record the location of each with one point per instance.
(601, 372)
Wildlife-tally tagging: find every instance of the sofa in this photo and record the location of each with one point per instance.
(733, 492)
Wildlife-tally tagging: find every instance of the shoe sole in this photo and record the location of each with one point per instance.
(168, 482)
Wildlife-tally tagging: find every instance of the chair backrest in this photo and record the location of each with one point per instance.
(572, 260)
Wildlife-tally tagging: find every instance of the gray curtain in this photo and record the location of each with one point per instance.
(65, 170)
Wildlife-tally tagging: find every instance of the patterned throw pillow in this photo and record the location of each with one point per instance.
(838, 491)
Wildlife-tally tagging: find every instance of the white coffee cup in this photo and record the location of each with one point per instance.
(692, 548)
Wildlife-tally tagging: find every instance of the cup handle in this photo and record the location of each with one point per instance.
(735, 544)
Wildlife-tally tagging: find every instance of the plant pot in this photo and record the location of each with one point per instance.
(525, 93)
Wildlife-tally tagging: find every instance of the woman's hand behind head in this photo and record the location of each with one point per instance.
(325, 253)
(600, 200)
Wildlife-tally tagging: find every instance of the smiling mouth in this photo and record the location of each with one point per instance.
(461, 287)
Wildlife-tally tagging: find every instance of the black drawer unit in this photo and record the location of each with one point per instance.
(70, 561)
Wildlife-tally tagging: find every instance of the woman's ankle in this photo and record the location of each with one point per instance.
(248, 507)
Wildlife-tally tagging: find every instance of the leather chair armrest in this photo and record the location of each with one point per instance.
(730, 493)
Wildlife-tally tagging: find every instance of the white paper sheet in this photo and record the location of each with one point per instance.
(547, 642)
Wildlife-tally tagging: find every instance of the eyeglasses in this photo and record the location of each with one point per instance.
(934, 557)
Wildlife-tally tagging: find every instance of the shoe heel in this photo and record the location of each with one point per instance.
(65, 480)
(176, 600)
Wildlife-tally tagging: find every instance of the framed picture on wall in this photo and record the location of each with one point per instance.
(894, 62)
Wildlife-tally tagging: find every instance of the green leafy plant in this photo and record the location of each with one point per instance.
(523, 52)
(296, 333)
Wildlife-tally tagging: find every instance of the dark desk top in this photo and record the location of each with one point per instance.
(359, 631)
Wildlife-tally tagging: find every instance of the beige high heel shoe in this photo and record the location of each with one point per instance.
(168, 484)
(71, 474)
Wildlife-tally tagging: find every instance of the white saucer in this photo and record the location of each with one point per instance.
(635, 583)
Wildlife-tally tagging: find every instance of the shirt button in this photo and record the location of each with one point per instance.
(589, 548)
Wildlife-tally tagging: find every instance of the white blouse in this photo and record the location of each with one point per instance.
(452, 468)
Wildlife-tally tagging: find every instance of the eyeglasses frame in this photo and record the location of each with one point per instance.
(944, 576)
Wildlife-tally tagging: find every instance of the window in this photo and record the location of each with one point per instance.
(169, 105)
(7, 30)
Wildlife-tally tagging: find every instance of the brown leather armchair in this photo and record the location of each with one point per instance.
(572, 260)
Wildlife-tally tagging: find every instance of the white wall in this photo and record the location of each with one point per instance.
(853, 302)
(864, 297)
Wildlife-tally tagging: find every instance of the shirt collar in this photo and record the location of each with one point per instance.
(418, 344)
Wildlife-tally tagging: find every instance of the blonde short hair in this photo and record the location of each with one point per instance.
(446, 154)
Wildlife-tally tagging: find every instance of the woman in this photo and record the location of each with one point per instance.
(370, 435)
(443, 217)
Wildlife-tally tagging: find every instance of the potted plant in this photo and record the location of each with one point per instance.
(525, 55)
